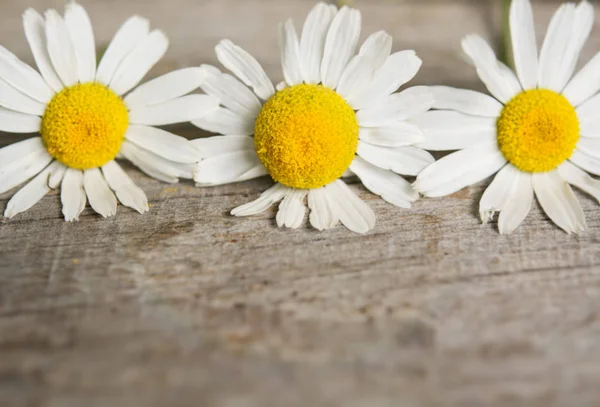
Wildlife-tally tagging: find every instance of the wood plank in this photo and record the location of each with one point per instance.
(187, 306)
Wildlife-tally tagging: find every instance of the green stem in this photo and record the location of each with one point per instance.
(506, 54)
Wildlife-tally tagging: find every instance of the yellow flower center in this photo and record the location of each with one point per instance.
(306, 136)
(538, 130)
(84, 125)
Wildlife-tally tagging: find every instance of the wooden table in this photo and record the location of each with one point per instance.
(188, 306)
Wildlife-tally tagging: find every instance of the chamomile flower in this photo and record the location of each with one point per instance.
(83, 118)
(336, 113)
(540, 131)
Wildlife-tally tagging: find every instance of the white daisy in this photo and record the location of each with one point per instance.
(83, 120)
(335, 113)
(541, 130)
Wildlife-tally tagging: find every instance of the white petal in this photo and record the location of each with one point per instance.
(292, 210)
(218, 145)
(518, 205)
(15, 122)
(245, 67)
(163, 143)
(101, 198)
(402, 160)
(553, 51)
(180, 110)
(23, 77)
(465, 101)
(131, 33)
(359, 71)
(393, 135)
(312, 42)
(35, 31)
(582, 27)
(356, 76)
(559, 202)
(579, 178)
(355, 214)
(226, 168)
(501, 82)
(17, 151)
(154, 165)
(165, 88)
(589, 120)
(525, 52)
(585, 160)
(589, 146)
(72, 195)
(264, 202)
(448, 130)
(585, 83)
(376, 49)
(138, 62)
(127, 192)
(498, 192)
(323, 214)
(231, 92)
(57, 174)
(588, 128)
(31, 193)
(391, 187)
(340, 45)
(458, 170)
(398, 69)
(14, 99)
(19, 169)
(224, 121)
(82, 37)
(290, 53)
(396, 107)
(60, 48)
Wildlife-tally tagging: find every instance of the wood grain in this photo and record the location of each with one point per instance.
(187, 306)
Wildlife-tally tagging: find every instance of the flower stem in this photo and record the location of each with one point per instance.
(506, 52)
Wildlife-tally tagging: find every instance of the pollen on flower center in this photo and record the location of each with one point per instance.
(306, 136)
(538, 130)
(84, 125)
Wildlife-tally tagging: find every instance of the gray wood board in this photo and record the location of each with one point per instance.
(188, 306)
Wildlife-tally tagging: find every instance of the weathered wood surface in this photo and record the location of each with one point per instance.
(187, 306)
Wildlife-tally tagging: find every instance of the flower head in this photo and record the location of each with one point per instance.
(336, 113)
(539, 131)
(87, 114)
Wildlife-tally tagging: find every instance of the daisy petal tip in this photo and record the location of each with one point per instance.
(469, 39)
(162, 36)
(364, 231)
(224, 43)
(30, 13)
(72, 5)
(580, 229)
(417, 187)
(52, 14)
(486, 216)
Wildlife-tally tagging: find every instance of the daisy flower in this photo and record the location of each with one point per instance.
(540, 131)
(83, 119)
(335, 114)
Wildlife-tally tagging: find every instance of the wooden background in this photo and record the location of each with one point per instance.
(187, 306)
